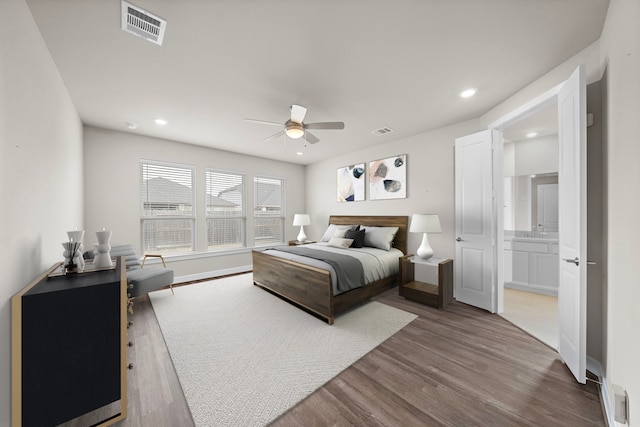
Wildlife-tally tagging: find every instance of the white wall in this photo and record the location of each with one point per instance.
(536, 155)
(620, 43)
(40, 168)
(429, 185)
(112, 192)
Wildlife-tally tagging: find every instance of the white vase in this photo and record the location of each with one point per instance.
(103, 257)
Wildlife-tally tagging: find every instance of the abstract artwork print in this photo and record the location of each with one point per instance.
(351, 183)
(388, 178)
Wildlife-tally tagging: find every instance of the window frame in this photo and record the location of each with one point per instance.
(181, 171)
(242, 218)
(280, 217)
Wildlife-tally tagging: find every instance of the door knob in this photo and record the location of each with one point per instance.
(576, 260)
(458, 239)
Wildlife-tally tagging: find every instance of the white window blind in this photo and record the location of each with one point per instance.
(268, 210)
(226, 216)
(167, 204)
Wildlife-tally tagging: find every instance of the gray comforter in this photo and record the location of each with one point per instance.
(349, 270)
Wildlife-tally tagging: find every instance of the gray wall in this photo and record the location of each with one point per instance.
(620, 53)
(40, 168)
(112, 193)
(430, 186)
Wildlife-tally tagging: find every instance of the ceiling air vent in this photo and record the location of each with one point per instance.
(382, 131)
(142, 23)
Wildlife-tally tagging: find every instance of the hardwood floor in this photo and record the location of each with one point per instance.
(154, 392)
(536, 314)
(455, 367)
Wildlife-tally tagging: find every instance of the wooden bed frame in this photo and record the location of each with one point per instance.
(310, 287)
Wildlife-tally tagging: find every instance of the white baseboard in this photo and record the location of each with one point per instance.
(595, 368)
(212, 274)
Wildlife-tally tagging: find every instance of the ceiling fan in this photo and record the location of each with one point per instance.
(295, 128)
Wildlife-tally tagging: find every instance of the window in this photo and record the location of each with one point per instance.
(268, 210)
(167, 202)
(226, 216)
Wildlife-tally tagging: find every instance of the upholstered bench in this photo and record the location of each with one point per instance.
(144, 280)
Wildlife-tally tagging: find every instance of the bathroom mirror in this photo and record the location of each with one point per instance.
(531, 173)
(531, 202)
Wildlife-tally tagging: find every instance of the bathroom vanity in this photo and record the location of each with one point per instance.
(532, 264)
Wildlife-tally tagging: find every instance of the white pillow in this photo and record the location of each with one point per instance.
(379, 237)
(331, 231)
(340, 233)
(339, 242)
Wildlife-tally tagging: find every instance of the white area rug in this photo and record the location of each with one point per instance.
(244, 357)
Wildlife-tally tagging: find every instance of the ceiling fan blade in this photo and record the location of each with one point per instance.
(324, 125)
(264, 122)
(310, 138)
(275, 135)
(297, 113)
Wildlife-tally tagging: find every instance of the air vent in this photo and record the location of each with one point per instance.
(142, 23)
(382, 131)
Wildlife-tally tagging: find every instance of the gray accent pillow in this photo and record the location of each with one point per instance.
(357, 236)
(379, 237)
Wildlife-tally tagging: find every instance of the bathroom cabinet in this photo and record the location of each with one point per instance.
(532, 264)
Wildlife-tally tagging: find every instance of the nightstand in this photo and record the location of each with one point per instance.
(296, 243)
(428, 282)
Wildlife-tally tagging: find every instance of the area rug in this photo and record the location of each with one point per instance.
(244, 356)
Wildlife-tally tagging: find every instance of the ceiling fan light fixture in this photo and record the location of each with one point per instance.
(295, 130)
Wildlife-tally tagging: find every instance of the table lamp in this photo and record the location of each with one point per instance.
(425, 223)
(301, 220)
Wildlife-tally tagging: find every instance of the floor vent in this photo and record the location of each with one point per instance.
(382, 131)
(142, 23)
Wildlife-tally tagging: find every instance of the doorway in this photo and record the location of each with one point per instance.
(479, 212)
(530, 223)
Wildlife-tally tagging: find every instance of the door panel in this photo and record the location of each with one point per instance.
(572, 224)
(474, 219)
(547, 207)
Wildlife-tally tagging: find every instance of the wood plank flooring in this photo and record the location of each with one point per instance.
(455, 367)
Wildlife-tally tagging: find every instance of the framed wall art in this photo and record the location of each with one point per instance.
(351, 183)
(388, 178)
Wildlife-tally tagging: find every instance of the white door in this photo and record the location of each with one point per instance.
(474, 219)
(547, 199)
(572, 296)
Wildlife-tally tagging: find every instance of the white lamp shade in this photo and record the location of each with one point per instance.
(301, 219)
(425, 223)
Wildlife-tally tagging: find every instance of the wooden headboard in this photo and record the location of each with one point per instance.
(402, 222)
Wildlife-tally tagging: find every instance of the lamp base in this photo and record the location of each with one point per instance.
(424, 251)
(301, 236)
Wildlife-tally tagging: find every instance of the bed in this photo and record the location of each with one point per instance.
(310, 287)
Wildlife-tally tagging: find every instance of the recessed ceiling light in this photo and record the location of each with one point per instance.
(299, 153)
(468, 93)
(131, 125)
(161, 122)
(531, 134)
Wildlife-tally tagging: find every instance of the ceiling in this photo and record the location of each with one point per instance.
(543, 122)
(399, 64)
